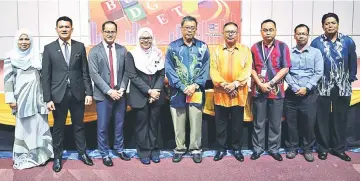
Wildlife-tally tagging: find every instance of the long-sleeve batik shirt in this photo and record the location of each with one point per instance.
(228, 67)
(184, 66)
(340, 64)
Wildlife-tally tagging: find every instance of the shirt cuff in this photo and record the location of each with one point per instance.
(236, 83)
(309, 86)
(109, 91)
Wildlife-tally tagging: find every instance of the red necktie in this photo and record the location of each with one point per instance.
(111, 67)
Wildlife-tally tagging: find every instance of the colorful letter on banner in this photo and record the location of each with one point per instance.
(127, 3)
(112, 10)
(135, 13)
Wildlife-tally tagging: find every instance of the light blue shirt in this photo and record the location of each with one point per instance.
(306, 69)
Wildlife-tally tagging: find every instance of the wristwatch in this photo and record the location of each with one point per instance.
(271, 82)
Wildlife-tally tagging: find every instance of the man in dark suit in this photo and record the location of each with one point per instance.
(107, 63)
(66, 86)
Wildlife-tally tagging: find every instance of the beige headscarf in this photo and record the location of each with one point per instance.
(148, 61)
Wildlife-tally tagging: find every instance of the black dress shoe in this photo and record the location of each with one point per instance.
(255, 155)
(322, 155)
(145, 161)
(276, 156)
(219, 155)
(57, 165)
(123, 156)
(177, 157)
(107, 161)
(155, 159)
(239, 156)
(197, 158)
(86, 159)
(342, 155)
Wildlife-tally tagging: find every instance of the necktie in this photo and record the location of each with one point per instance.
(66, 52)
(111, 67)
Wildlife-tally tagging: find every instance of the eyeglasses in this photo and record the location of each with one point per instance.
(231, 32)
(110, 32)
(149, 38)
(302, 34)
(190, 28)
(271, 30)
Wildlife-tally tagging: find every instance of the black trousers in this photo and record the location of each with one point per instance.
(300, 112)
(221, 119)
(60, 113)
(146, 130)
(331, 127)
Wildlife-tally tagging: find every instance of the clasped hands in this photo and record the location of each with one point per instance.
(154, 95)
(116, 94)
(230, 88)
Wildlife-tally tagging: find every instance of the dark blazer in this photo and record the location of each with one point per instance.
(55, 72)
(100, 70)
(140, 83)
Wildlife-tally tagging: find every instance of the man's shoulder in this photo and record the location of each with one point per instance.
(119, 46)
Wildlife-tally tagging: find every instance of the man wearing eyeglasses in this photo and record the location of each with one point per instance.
(271, 62)
(107, 63)
(231, 67)
(187, 69)
(301, 95)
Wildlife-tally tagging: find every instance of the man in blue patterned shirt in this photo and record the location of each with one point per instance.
(301, 95)
(187, 69)
(340, 68)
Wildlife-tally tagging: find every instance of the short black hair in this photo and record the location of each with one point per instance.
(64, 18)
(329, 15)
(302, 25)
(268, 21)
(189, 18)
(110, 22)
(230, 23)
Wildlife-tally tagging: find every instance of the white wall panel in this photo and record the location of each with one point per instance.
(48, 14)
(260, 11)
(282, 15)
(29, 16)
(246, 17)
(344, 11)
(72, 10)
(8, 18)
(319, 9)
(302, 14)
(356, 18)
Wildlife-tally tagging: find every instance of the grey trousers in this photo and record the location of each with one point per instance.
(271, 110)
(179, 116)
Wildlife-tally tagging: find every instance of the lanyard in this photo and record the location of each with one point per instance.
(264, 55)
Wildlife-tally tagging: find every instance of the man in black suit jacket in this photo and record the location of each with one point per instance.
(66, 86)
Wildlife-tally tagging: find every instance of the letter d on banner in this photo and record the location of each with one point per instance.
(135, 13)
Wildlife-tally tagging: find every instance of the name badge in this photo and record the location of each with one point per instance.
(263, 72)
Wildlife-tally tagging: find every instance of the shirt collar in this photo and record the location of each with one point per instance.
(339, 36)
(272, 44)
(306, 48)
(236, 46)
(183, 43)
(105, 44)
(61, 42)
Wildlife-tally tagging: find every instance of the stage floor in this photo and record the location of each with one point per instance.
(265, 169)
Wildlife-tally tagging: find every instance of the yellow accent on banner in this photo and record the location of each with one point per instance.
(189, 7)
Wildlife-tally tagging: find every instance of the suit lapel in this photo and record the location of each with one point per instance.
(119, 60)
(104, 54)
(59, 52)
(72, 53)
